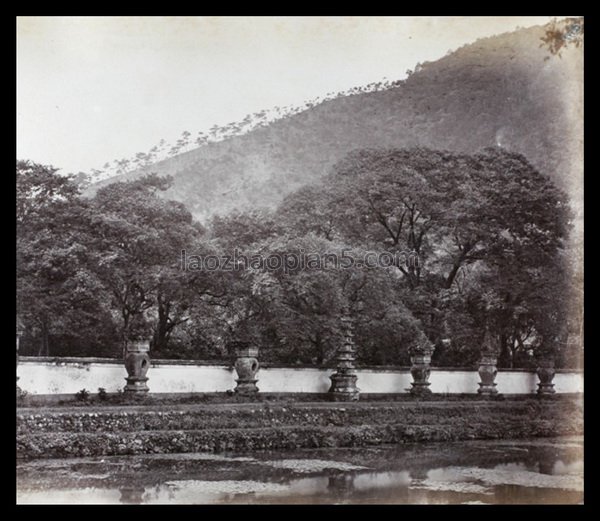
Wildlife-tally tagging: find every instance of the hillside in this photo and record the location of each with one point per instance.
(500, 91)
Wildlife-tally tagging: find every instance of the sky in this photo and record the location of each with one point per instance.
(95, 89)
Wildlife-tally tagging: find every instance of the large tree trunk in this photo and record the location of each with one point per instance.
(162, 330)
(320, 348)
(505, 358)
(44, 343)
(125, 332)
(452, 275)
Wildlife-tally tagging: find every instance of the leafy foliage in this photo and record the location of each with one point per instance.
(83, 395)
(488, 229)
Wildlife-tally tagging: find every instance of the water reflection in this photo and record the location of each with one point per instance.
(469, 474)
(132, 494)
(418, 475)
(341, 484)
(381, 480)
(547, 467)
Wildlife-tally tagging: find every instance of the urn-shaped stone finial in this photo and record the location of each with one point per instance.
(487, 365)
(137, 363)
(546, 372)
(247, 366)
(420, 357)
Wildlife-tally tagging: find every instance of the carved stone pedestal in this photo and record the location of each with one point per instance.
(487, 374)
(343, 387)
(487, 364)
(246, 366)
(137, 363)
(420, 358)
(546, 372)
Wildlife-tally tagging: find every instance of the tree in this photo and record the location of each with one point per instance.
(242, 229)
(40, 186)
(138, 241)
(58, 295)
(488, 230)
(292, 307)
(489, 216)
(409, 201)
(305, 211)
(184, 297)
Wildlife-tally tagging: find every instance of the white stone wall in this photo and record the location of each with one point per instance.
(68, 377)
(458, 382)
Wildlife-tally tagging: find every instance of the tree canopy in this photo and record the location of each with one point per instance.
(482, 237)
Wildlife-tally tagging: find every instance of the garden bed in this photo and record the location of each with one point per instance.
(215, 427)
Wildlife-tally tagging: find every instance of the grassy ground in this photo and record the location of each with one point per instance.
(149, 428)
(95, 400)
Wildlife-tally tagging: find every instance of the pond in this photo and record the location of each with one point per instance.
(539, 471)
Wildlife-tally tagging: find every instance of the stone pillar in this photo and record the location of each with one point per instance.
(420, 358)
(487, 365)
(343, 381)
(546, 372)
(246, 366)
(19, 334)
(137, 363)
(487, 374)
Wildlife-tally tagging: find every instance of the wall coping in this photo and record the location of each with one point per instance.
(220, 363)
